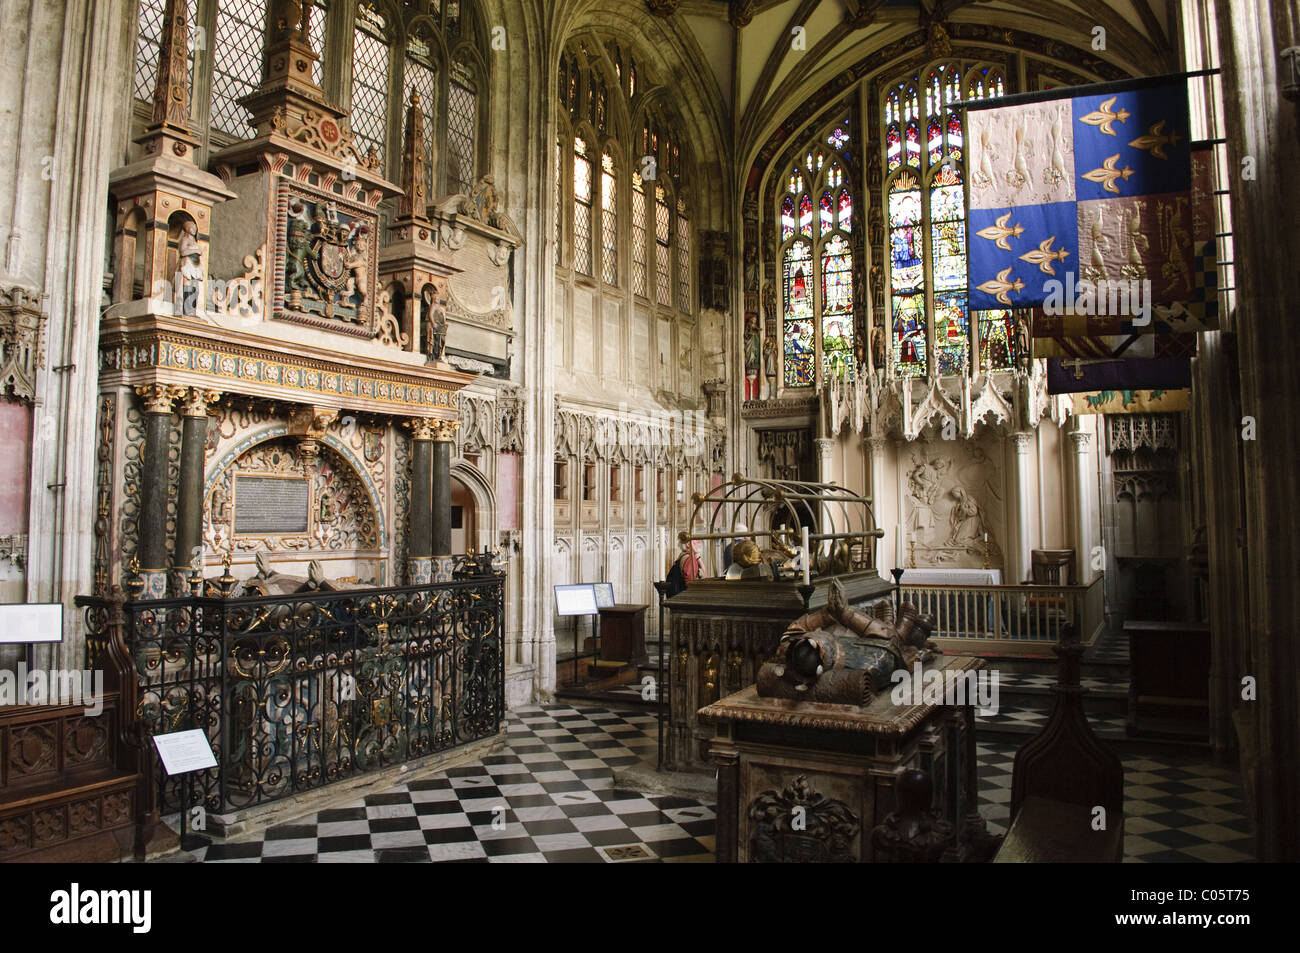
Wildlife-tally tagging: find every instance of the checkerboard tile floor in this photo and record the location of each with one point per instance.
(548, 797)
(1176, 810)
(1031, 719)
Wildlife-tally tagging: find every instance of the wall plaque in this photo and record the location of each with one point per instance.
(270, 506)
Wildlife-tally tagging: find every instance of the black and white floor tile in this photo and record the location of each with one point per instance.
(549, 797)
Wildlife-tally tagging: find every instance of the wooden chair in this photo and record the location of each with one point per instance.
(1049, 567)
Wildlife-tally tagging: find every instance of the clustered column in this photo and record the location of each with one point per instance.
(419, 563)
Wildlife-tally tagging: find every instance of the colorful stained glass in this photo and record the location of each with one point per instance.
(794, 185)
(906, 240)
(835, 176)
(839, 137)
(827, 206)
(909, 335)
(948, 237)
(837, 309)
(799, 345)
(934, 139)
(805, 216)
(997, 340)
(813, 162)
(846, 211)
(933, 94)
(894, 147)
(951, 332)
(913, 144)
(954, 136)
(787, 219)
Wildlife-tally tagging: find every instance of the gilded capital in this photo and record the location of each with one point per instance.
(159, 398)
(444, 431)
(421, 428)
(195, 403)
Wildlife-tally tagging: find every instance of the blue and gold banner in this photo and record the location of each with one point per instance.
(1081, 208)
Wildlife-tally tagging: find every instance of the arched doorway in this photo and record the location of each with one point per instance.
(464, 518)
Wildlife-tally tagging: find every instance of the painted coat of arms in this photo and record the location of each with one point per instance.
(327, 263)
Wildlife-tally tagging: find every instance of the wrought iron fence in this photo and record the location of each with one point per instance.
(295, 692)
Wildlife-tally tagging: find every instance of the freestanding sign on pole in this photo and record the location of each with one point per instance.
(183, 753)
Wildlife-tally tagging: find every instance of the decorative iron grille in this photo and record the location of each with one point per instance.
(299, 691)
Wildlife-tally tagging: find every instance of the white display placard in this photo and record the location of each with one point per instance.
(604, 595)
(575, 600)
(27, 623)
(184, 751)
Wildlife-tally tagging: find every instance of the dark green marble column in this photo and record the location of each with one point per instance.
(189, 497)
(151, 550)
(444, 434)
(420, 542)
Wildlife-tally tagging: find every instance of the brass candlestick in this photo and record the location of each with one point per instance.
(227, 581)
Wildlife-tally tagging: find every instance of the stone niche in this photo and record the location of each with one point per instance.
(954, 491)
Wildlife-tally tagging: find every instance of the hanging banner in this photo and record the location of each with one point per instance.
(1081, 208)
(1151, 373)
(1131, 401)
(1116, 346)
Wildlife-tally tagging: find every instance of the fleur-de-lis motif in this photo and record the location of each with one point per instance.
(1102, 117)
(1156, 139)
(1108, 173)
(1044, 255)
(1001, 286)
(1000, 232)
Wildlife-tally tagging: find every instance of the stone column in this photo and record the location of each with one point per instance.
(825, 446)
(189, 497)
(887, 547)
(444, 433)
(1080, 442)
(419, 547)
(151, 550)
(1018, 548)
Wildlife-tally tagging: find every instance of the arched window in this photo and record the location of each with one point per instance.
(371, 49)
(639, 285)
(925, 165)
(815, 222)
(421, 76)
(462, 128)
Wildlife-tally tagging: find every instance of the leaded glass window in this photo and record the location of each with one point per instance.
(925, 198)
(683, 258)
(581, 207)
(237, 63)
(462, 123)
(370, 60)
(639, 236)
(317, 37)
(609, 219)
(815, 223)
(559, 200)
(663, 232)
(147, 40)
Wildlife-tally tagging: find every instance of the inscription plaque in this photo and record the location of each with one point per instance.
(270, 506)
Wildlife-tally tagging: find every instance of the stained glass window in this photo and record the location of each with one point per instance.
(236, 63)
(370, 53)
(799, 345)
(997, 340)
(581, 207)
(462, 123)
(925, 199)
(609, 219)
(663, 231)
(638, 236)
(818, 313)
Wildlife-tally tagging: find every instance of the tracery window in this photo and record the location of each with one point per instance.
(581, 207)
(924, 185)
(815, 219)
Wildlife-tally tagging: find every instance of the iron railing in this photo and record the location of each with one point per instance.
(295, 692)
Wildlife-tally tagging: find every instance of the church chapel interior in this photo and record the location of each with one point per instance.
(721, 431)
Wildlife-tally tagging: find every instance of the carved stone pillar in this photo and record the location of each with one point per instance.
(444, 434)
(152, 548)
(189, 497)
(886, 548)
(419, 564)
(1018, 558)
(1080, 442)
